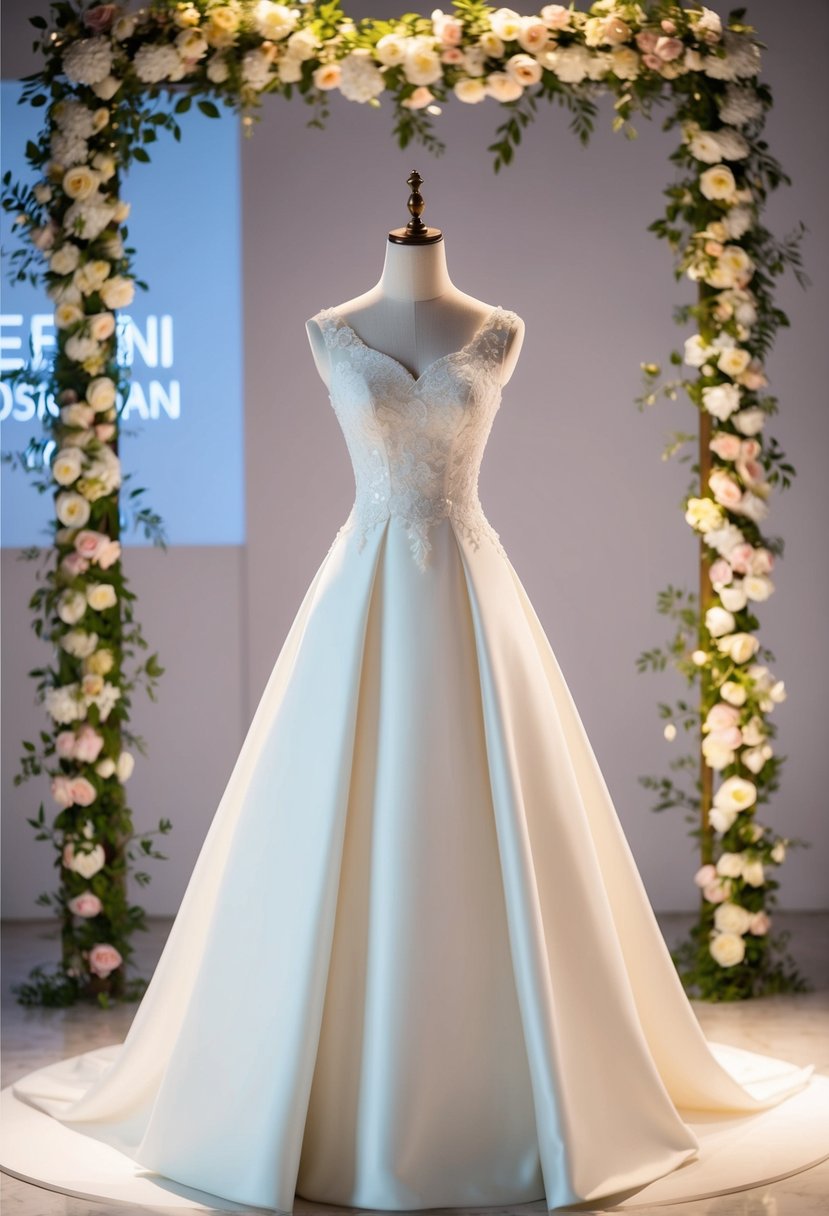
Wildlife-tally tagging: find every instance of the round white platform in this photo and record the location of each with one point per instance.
(735, 1154)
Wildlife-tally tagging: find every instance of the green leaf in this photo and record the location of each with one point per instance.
(209, 108)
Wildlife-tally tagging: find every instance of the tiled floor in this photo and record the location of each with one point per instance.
(795, 1028)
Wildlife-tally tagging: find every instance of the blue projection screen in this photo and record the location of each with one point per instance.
(182, 338)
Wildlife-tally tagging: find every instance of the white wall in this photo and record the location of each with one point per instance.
(572, 479)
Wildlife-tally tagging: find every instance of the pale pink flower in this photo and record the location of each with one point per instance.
(646, 40)
(65, 744)
(740, 558)
(720, 572)
(83, 791)
(109, 554)
(452, 54)
(759, 923)
(105, 431)
(652, 61)
(722, 717)
(726, 446)
(705, 875)
(85, 904)
(100, 18)
(724, 488)
(73, 564)
(715, 892)
(668, 48)
(88, 744)
(89, 543)
(103, 959)
(762, 561)
(62, 790)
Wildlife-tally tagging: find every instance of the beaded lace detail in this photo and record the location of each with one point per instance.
(416, 442)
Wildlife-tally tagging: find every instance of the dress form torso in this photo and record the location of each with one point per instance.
(414, 313)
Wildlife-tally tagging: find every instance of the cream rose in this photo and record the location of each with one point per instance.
(101, 596)
(72, 509)
(327, 76)
(470, 90)
(727, 949)
(66, 466)
(731, 918)
(524, 69)
(65, 259)
(503, 87)
(118, 292)
(100, 393)
(80, 182)
(506, 23)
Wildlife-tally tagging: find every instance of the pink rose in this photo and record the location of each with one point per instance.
(88, 744)
(726, 446)
(83, 791)
(724, 488)
(715, 892)
(668, 26)
(103, 959)
(73, 564)
(713, 248)
(751, 471)
(100, 18)
(759, 923)
(753, 377)
(762, 561)
(740, 558)
(105, 431)
(705, 875)
(109, 554)
(646, 40)
(62, 790)
(720, 572)
(750, 449)
(448, 29)
(65, 744)
(452, 54)
(668, 48)
(652, 61)
(85, 904)
(89, 543)
(731, 738)
(722, 717)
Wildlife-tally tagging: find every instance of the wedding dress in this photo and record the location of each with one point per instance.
(415, 965)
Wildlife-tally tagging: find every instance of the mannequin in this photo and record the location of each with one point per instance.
(414, 313)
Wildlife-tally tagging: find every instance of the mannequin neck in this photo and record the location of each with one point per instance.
(415, 272)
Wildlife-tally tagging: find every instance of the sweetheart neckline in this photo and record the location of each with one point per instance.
(415, 380)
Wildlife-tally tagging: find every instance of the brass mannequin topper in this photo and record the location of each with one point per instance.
(415, 232)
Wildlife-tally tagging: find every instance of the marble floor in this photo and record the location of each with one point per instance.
(794, 1028)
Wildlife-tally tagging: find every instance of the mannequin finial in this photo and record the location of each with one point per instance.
(415, 232)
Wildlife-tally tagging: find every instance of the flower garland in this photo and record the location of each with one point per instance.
(104, 71)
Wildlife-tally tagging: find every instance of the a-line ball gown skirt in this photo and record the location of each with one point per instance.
(415, 965)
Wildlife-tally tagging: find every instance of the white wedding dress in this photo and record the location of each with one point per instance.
(415, 965)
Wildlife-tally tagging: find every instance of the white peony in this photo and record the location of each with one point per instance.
(737, 222)
(65, 259)
(758, 587)
(733, 361)
(721, 400)
(88, 60)
(74, 118)
(750, 421)
(720, 818)
(727, 949)
(88, 217)
(696, 351)
(742, 58)
(734, 598)
(705, 146)
(736, 793)
(71, 606)
(155, 63)
(256, 69)
(68, 150)
(217, 69)
(79, 643)
(360, 78)
(65, 704)
(718, 621)
(570, 63)
(730, 865)
(275, 21)
(740, 105)
(734, 146)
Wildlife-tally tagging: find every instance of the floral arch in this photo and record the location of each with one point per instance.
(111, 81)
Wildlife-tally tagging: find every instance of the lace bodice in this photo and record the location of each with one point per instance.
(416, 442)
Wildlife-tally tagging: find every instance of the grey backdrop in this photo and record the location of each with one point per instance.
(572, 478)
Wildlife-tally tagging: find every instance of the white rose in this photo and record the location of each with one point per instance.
(733, 361)
(758, 587)
(68, 314)
(718, 183)
(733, 693)
(753, 873)
(730, 865)
(734, 597)
(191, 44)
(65, 259)
(80, 182)
(740, 646)
(71, 607)
(471, 90)
(125, 765)
(105, 767)
(705, 146)
(72, 509)
(718, 621)
(107, 88)
(101, 596)
(731, 918)
(754, 758)
(524, 69)
(303, 43)
(79, 643)
(750, 421)
(503, 87)
(491, 45)
(727, 949)
(288, 69)
(736, 794)
(533, 35)
(718, 754)
(391, 49)
(86, 863)
(422, 64)
(66, 467)
(89, 277)
(778, 852)
(327, 76)
(506, 23)
(100, 393)
(80, 348)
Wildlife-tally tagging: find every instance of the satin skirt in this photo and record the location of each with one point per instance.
(415, 964)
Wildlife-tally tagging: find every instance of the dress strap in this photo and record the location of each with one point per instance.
(329, 322)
